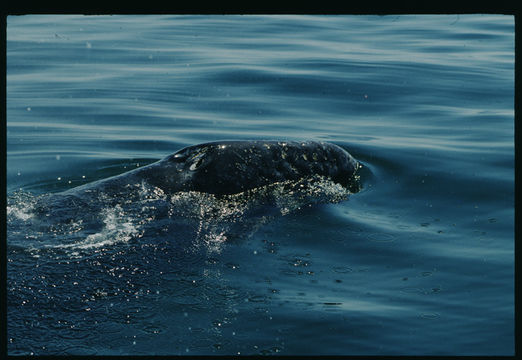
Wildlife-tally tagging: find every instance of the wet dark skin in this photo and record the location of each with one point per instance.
(231, 167)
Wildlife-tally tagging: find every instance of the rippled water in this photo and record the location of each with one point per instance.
(419, 262)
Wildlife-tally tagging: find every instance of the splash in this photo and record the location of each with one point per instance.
(143, 211)
(222, 218)
(20, 205)
(119, 227)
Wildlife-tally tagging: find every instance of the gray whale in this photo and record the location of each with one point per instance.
(231, 167)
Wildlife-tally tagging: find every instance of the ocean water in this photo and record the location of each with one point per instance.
(420, 261)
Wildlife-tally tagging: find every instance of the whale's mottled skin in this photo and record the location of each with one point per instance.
(231, 167)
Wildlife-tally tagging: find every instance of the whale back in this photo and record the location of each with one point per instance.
(230, 167)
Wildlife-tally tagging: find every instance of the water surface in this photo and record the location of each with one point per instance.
(419, 262)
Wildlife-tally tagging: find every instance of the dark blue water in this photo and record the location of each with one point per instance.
(419, 262)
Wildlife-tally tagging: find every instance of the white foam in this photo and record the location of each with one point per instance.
(22, 213)
(118, 228)
(22, 205)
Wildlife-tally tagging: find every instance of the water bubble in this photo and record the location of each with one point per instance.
(413, 290)
(381, 237)
(430, 316)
